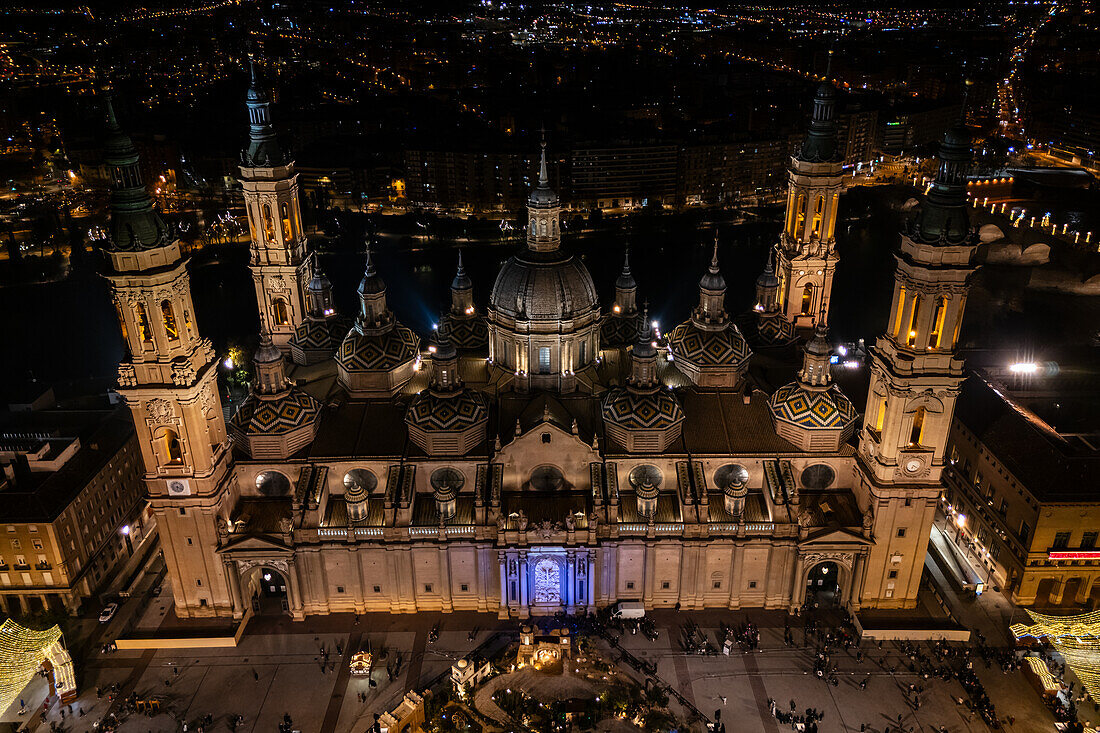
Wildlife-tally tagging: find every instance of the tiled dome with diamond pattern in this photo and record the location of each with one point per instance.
(774, 328)
(464, 333)
(725, 348)
(436, 413)
(808, 409)
(632, 411)
(620, 330)
(320, 335)
(283, 414)
(378, 352)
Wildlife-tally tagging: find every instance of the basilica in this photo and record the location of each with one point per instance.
(543, 451)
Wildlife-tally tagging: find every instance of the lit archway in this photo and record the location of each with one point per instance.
(823, 586)
(268, 591)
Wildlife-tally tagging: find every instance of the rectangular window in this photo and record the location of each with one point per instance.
(916, 432)
(15, 545)
(630, 585)
(544, 360)
(1061, 540)
(892, 574)
(198, 582)
(665, 585)
(37, 544)
(464, 587)
(1025, 532)
(908, 502)
(339, 589)
(880, 417)
(1088, 540)
(901, 531)
(189, 541)
(752, 584)
(580, 591)
(377, 589)
(718, 584)
(427, 587)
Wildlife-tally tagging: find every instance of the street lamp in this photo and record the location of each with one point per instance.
(960, 522)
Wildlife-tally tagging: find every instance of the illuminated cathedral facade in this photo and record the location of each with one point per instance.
(546, 452)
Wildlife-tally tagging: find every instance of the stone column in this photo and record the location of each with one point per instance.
(503, 611)
(445, 573)
(569, 581)
(1083, 591)
(797, 585)
(855, 583)
(234, 580)
(295, 593)
(524, 608)
(590, 586)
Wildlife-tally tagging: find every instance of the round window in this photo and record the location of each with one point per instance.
(645, 476)
(273, 483)
(818, 476)
(360, 480)
(447, 480)
(731, 474)
(547, 478)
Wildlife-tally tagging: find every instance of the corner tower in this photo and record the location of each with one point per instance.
(270, 188)
(807, 248)
(915, 379)
(168, 380)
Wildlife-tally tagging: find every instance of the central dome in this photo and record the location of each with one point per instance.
(544, 286)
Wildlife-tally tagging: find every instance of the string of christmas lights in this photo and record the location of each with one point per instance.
(1076, 638)
(22, 652)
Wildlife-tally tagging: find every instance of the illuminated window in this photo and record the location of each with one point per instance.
(937, 323)
(143, 323)
(900, 309)
(279, 313)
(168, 446)
(800, 220)
(807, 300)
(911, 338)
(122, 322)
(917, 431)
(819, 213)
(285, 211)
(169, 321)
(269, 224)
(544, 360)
(880, 417)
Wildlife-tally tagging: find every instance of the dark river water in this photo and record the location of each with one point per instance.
(66, 330)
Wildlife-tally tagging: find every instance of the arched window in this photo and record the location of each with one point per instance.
(269, 224)
(252, 225)
(937, 323)
(819, 214)
(807, 300)
(800, 219)
(122, 323)
(832, 220)
(880, 415)
(143, 323)
(279, 312)
(169, 321)
(900, 310)
(911, 338)
(167, 447)
(285, 211)
(917, 430)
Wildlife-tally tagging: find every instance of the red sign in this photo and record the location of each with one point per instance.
(1074, 555)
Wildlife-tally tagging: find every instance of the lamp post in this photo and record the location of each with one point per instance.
(960, 522)
(129, 542)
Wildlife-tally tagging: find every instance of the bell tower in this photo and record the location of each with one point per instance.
(915, 377)
(807, 247)
(270, 187)
(168, 380)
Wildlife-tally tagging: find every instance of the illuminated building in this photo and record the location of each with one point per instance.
(548, 470)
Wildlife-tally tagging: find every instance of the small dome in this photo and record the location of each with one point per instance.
(378, 352)
(319, 283)
(794, 404)
(632, 411)
(726, 347)
(548, 286)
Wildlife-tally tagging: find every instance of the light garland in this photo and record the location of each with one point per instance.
(22, 652)
(1076, 638)
(1039, 668)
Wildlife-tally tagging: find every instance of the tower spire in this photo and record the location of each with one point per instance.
(543, 210)
(263, 148)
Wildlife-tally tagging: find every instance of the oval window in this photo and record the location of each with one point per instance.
(447, 480)
(547, 478)
(645, 476)
(361, 479)
(273, 483)
(818, 476)
(731, 474)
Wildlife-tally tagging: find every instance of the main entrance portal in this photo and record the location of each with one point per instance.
(547, 583)
(823, 584)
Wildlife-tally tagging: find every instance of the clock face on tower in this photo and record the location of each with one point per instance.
(913, 465)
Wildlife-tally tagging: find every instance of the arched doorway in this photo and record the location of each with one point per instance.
(1042, 592)
(267, 590)
(823, 584)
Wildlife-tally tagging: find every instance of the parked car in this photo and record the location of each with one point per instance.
(108, 612)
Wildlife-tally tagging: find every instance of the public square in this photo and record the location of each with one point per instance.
(276, 670)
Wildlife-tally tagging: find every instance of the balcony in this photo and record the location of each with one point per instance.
(42, 566)
(24, 566)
